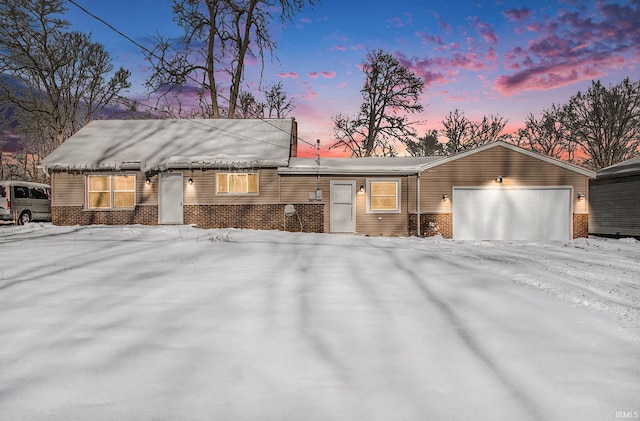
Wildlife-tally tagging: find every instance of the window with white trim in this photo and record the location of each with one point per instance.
(383, 195)
(111, 191)
(237, 183)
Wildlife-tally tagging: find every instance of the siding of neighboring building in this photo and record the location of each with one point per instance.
(615, 206)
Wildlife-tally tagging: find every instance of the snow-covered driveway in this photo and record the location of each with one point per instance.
(174, 323)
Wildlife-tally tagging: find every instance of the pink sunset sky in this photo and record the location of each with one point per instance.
(509, 58)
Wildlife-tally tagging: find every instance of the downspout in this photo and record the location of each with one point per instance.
(418, 203)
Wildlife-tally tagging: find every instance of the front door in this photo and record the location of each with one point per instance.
(170, 198)
(343, 206)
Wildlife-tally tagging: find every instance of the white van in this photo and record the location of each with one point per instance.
(23, 201)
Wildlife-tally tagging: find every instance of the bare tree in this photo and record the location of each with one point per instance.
(427, 145)
(605, 123)
(463, 134)
(58, 79)
(219, 35)
(278, 105)
(249, 107)
(548, 135)
(390, 91)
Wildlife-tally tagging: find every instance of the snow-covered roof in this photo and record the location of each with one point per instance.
(406, 165)
(156, 145)
(623, 168)
(371, 165)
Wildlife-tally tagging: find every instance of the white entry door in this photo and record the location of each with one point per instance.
(527, 213)
(170, 198)
(343, 206)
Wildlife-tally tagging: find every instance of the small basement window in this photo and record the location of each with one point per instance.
(111, 191)
(237, 183)
(383, 195)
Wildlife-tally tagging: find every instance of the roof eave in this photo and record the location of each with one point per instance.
(571, 167)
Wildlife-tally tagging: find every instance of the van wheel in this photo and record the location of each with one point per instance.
(25, 218)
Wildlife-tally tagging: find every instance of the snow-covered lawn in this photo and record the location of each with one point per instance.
(177, 323)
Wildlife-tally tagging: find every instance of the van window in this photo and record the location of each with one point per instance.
(20, 192)
(3, 191)
(38, 194)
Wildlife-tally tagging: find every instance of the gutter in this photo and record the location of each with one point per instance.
(418, 204)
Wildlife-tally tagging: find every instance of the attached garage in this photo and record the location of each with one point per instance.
(502, 192)
(526, 213)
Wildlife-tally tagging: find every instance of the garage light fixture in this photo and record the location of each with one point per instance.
(499, 179)
(148, 181)
(361, 191)
(580, 196)
(190, 181)
(445, 197)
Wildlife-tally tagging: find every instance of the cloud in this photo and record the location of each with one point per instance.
(399, 22)
(309, 94)
(518, 15)
(430, 39)
(577, 44)
(554, 76)
(328, 75)
(485, 30)
(293, 75)
(313, 75)
(340, 47)
(444, 26)
(443, 69)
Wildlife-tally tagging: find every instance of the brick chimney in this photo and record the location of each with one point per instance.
(293, 151)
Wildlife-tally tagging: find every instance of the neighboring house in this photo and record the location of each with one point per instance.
(246, 174)
(497, 191)
(210, 173)
(615, 200)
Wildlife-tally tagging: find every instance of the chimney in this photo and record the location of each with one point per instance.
(293, 151)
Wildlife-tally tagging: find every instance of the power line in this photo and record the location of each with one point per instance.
(152, 54)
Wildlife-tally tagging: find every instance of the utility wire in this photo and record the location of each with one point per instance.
(150, 53)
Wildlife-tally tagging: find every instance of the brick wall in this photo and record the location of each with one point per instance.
(441, 223)
(580, 225)
(432, 224)
(77, 215)
(265, 217)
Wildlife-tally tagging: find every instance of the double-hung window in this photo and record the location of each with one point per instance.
(111, 191)
(237, 183)
(383, 195)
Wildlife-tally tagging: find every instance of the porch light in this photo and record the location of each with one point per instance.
(445, 197)
(148, 181)
(499, 179)
(361, 191)
(190, 181)
(580, 196)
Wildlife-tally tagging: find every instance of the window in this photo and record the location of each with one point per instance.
(237, 183)
(383, 195)
(111, 191)
(20, 192)
(38, 193)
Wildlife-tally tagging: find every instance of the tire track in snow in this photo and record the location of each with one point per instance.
(472, 344)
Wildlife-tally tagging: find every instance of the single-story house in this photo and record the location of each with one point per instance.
(615, 200)
(246, 174)
(497, 191)
(209, 173)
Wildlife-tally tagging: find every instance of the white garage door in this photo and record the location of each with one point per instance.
(512, 214)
